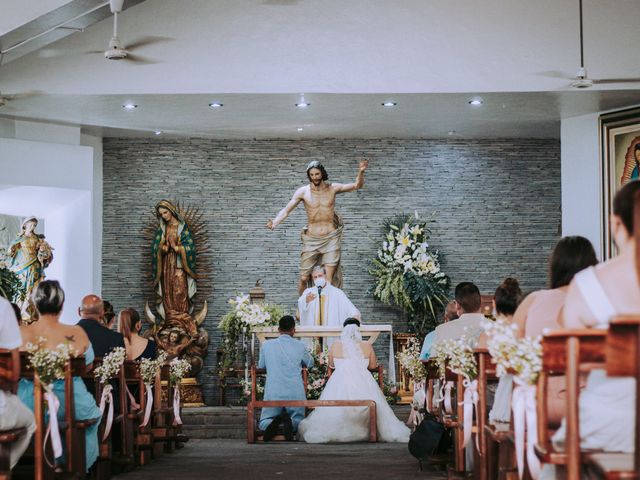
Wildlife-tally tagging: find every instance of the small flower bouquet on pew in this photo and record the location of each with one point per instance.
(522, 358)
(49, 365)
(178, 368)
(148, 371)
(111, 364)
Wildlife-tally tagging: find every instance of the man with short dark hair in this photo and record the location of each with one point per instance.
(283, 358)
(102, 339)
(470, 321)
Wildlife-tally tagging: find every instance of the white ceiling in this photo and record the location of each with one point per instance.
(16, 13)
(429, 54)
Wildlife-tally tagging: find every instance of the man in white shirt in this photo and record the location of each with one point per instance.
(470, 320)
(13, 413)
(323, 304)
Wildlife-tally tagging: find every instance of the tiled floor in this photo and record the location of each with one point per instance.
(235, 459)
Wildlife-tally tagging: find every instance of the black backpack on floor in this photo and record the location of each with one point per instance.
(429, 438)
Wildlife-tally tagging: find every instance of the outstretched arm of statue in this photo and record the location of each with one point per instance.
(284, 213)
(358, 184)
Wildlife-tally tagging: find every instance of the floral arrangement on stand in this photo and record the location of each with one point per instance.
(111, 364)
(243, 318)
(409, 359)
(408, 272)
(49, 365)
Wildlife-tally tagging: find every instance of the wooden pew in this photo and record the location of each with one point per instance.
(569, 353)
(8, 383)
(623, 359)
(142, 437)
(486, 373)
(252, 431)
(165, 434)
(453, 421)
(42, 470)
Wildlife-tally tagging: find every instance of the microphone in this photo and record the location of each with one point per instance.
(319, 291)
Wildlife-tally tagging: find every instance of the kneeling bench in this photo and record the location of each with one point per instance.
(251, 408)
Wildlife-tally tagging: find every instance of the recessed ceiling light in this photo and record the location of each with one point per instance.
(389, 104)
(451, 132)
(300, 129)
(216, 105)
(158, 132)
(302, 104)
(476, 102)
(129, 106)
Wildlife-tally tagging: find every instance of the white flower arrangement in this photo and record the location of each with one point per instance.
(149, 368)
(178, 368)
(456, 355)
(250, 314)
(406, 249)
(409, 358)
(111, 364)
(521, 357)
(408, 272)
(48, 363)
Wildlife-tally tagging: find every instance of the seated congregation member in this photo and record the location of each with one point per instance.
(48, 299)
(470, 321)
(109, 316)
(17, 312)
(505, 302)
(13, 413)
(102, 339)
(450, 313)
(137, 347)
(351, 358)
(541, 310)
(283, 358)
(595, 296)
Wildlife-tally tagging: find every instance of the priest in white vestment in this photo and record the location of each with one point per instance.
(323, 304)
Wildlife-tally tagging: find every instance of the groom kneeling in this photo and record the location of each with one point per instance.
(283, 359)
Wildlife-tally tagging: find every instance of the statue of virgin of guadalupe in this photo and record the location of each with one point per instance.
(30, 254)
(174, 261)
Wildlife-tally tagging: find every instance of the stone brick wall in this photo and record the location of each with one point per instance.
(497, 206)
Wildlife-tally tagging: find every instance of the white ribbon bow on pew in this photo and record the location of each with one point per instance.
(148, 406)
(107, 398)
(132, 401)
(52, 427)
(523, 404)
(470, 403)
(176, 407)
(444, 394)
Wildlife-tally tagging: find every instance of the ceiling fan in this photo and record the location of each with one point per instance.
(116, 50)
(582, 80)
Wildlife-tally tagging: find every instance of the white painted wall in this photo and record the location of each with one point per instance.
(55, 181)
(581, 178)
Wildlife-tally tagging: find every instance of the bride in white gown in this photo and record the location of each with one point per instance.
(351, 380)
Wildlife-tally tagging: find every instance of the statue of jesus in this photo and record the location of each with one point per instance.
(322, 237)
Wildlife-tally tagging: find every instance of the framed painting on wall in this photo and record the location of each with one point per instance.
(620, 159)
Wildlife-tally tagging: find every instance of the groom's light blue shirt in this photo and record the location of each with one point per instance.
(283, 357)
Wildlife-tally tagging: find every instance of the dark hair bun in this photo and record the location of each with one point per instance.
(351, 321)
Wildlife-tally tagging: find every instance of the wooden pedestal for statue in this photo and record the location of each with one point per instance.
(191, 392)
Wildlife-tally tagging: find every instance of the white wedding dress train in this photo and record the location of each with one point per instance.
(351, 380)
